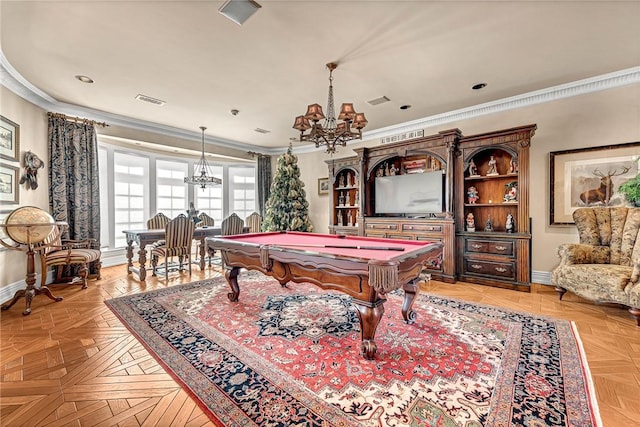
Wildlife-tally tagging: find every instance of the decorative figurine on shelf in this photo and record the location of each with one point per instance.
(509, 225)
(492, 170)
(341, 199)
(471, 222)
(386, 169)
(472, 195)
(513, 165)
(393, 170)
(192, 213)
(349, 218)
(488, 226)
(339, 218)
(473, 169)
(356, 201)
(511, 194)
(380, 171)
(341, 181)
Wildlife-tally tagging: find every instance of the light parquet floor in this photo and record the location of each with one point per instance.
(72, 363)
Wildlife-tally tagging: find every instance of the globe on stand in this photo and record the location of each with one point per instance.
(27, 226)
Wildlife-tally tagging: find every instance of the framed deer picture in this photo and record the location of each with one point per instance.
(590, 177)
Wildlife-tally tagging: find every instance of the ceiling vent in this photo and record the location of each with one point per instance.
(261, 130)
(239, 10)
(379, 101)
(149, 99)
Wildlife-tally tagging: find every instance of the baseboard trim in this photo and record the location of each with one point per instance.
(541, 277)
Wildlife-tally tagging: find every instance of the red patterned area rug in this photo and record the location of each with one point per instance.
(290, 356)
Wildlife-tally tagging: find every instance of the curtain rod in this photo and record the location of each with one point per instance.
(77, 119)
(254, 154)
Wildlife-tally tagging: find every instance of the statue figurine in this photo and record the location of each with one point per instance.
(386, 169)
(393, 170)
(471, 222)
(511, 195)
(341, 199)
(488, 226)
(192, 213)
(339, 218)
(472, 195)
(341, 182)
(513, 165)
(349, 218)
(509, 226)
(473, 169)
(492, 167)
(380, 171)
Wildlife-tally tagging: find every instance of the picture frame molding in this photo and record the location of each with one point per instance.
(557, 159)
(323, 186)
(14, 197)
(13, 153)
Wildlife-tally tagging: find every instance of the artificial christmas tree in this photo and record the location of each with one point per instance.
(287, 207)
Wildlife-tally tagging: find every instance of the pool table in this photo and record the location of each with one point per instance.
(363, 267)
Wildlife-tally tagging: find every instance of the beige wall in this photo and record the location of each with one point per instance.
(596, 119)
(33, 136)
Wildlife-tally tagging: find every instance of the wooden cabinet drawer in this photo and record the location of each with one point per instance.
(379, 234)
(501, 247)
(506, 270)
(421, 228)
(382, 226)
(399, 236)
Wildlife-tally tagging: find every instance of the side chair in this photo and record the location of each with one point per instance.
(205, 221)
(254, 222)
(59, 253)
(231, 225)
(157, 222)
(178, 240)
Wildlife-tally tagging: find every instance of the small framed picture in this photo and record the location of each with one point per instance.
(9, 139)
(8, 184)
(323, 185)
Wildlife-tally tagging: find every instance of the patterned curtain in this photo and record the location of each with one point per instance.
(264, 182)
(74, 191)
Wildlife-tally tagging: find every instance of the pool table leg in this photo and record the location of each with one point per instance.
(411, 290)
(369, 319)
(231, 274)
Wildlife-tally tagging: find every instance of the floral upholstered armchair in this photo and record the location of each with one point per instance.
(605, 265)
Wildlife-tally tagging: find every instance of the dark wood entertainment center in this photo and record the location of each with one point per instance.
(497, 251)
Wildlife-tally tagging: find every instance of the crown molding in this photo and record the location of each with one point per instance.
(12, 80)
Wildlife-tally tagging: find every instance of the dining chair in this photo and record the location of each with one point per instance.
(231, 225)
(157, 222)
(205, 221)
(178, 240)
(254, 222)
(62, 253)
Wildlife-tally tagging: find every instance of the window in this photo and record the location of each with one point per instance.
(171, 190)
(130, 187)
(209, 200)
(134, 185)
(242, 190)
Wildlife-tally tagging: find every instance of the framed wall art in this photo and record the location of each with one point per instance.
(323, 185)
(9, 139)
(590, 177)
(8, 184)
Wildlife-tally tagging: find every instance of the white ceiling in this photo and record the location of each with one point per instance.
(426, 54)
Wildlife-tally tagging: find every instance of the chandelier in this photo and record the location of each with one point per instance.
(330, 132)
(202, 175)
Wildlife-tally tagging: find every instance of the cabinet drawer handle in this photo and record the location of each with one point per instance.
(390, 227)
(410, 227)
(476, 266)
(501, 248)
(476, 246)
(501, 269)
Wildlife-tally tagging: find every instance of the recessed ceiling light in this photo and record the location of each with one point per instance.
(478, 86)
(405, 107)
(239, 10)
(84, 79)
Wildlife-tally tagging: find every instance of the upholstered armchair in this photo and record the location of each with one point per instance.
(59, 253)
(605, 265)
(179, 237)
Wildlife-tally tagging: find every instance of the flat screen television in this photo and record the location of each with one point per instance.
(416, 194)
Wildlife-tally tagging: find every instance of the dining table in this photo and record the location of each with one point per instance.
(142, 238)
